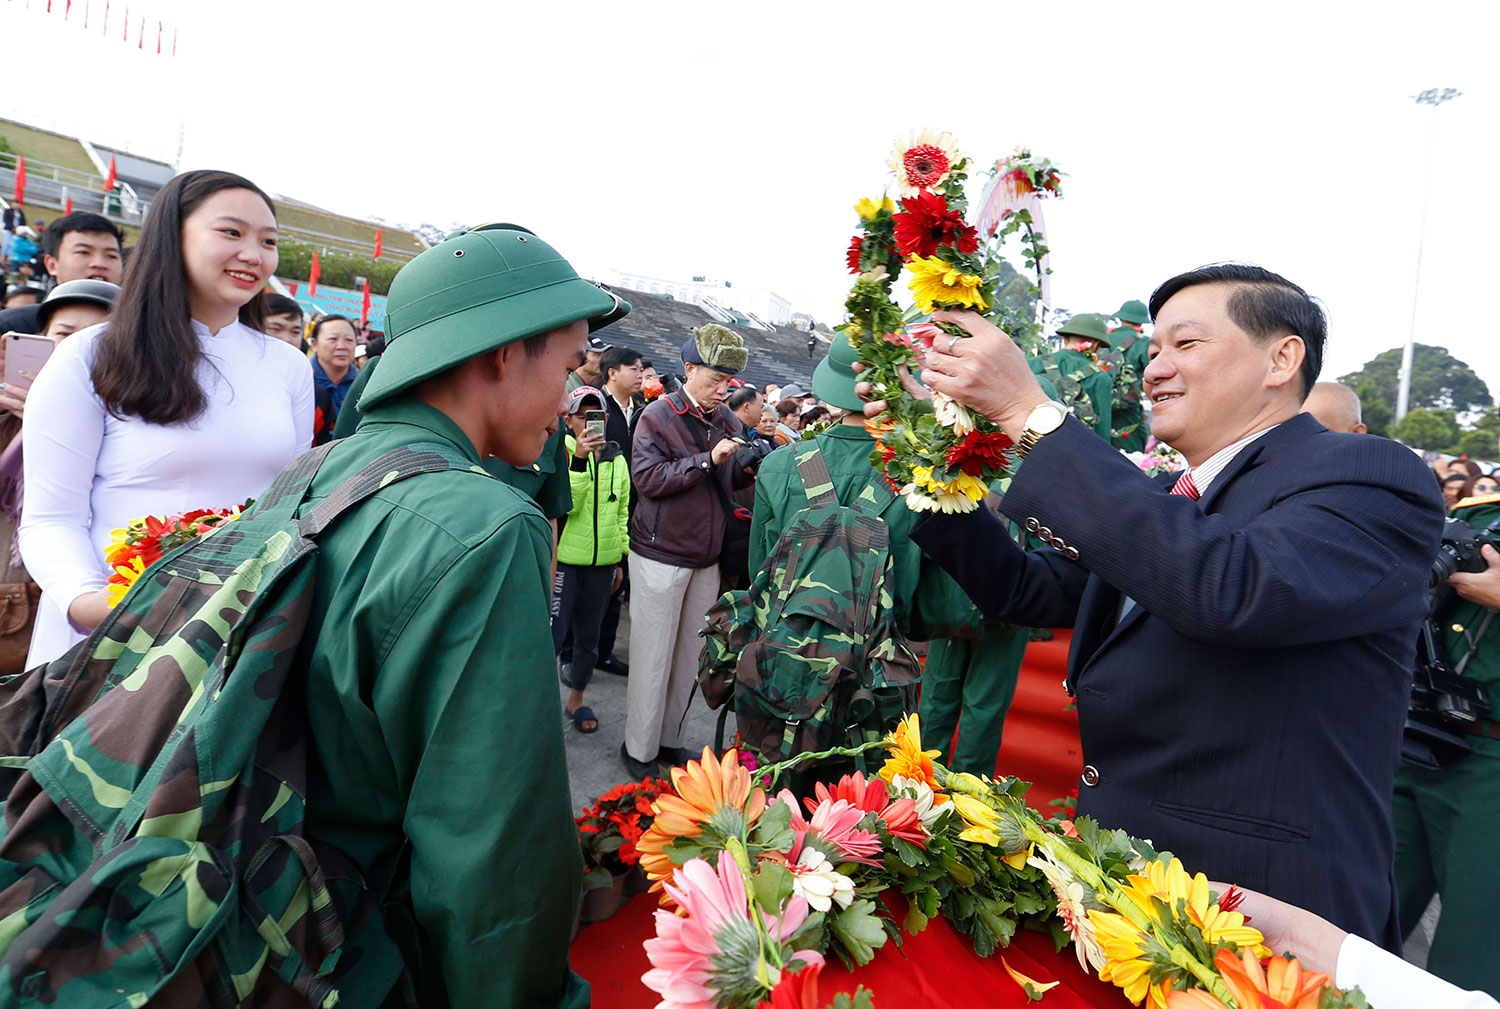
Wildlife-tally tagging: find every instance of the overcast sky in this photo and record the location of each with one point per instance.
(682, 138)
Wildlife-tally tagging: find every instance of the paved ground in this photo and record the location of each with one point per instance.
(594, 759)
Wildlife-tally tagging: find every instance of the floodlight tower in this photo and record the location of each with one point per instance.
(1433, 97)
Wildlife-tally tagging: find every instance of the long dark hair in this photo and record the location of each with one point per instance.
(146, 362)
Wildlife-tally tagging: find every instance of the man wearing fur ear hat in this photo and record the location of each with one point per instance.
(684, 471)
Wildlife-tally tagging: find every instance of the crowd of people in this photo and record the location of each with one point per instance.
(1244, 631)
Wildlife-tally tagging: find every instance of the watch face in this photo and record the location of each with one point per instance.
(1046, 418)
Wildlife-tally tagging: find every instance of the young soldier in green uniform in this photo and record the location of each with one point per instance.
(1127, 357)
(431, 687)
(1075, 376)
(1447, 821)
(928, 603)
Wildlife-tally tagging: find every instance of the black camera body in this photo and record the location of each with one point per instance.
(749, 455)
(1459, 551)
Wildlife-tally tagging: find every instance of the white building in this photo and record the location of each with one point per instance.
(760, 305)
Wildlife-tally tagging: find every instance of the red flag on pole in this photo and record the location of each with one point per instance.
(158, 38)
(67, 201)
(291, 290)
(378, 233)
(68, 10)
(174, 42)
(312, 275)
(364, 312)
(86, 5)
(140, 42)
(111, 179)
(20, 193)
(125, 28)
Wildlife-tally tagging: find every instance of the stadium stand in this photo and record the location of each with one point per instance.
(658, 327)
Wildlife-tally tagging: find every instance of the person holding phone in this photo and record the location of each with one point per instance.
(179, 402)
(592, 546)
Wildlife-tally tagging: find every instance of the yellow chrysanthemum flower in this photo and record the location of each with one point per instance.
(907, 758)
(934, 282)
(868, 209)
(982, 826)
(1126, 965)
(1171, 883)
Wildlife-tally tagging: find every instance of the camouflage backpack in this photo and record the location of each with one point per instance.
(809, 656)
(1127, 390)
(1069, 388)
(153, 849)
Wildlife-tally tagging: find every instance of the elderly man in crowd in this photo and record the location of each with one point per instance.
(683, 469)
(1244, 631)
(1336, 407)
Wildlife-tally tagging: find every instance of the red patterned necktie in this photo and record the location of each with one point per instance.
(1185, 486)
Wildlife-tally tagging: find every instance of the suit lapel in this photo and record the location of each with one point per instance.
(1288, 433)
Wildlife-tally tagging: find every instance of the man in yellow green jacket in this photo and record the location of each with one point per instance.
(591, 548)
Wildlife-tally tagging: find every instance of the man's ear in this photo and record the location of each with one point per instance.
(1287, 354)
(50, 264)
(502, 362)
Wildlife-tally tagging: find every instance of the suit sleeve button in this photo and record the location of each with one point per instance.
(1032, 525)
(1071, 553)
(1090, 775)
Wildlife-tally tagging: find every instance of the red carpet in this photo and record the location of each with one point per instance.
(1040, 744)
(936, 968)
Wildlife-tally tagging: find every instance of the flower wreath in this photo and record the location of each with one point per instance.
(935, 453)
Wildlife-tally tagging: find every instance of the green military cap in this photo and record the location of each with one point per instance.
(834, 378)
(1090, 326)
(1133, 312)
(475, 292)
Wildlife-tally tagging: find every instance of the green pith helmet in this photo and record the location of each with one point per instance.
(1090, 326)
(1133, 312)
(834, 378)
(475, 292)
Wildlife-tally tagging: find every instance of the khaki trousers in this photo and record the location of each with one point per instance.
(667, 605)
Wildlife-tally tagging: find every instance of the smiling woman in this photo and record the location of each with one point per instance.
(178, 402)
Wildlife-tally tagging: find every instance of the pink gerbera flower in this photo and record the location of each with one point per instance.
(869, 794)
(833, 830)
(711, 952)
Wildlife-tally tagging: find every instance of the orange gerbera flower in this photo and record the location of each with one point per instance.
(907, 758)
(709, 794)
(1282, 984)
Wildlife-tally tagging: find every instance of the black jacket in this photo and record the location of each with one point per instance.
(1247, 713)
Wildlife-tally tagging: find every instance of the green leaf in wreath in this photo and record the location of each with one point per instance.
(857, 930)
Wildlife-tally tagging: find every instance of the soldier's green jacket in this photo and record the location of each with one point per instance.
(1128, 359)
(928, 603)
(434, 716)
(1078, 383)
(544, 481)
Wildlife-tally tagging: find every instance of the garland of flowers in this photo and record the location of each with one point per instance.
(765, 889)
(147, 540)
(934, 452)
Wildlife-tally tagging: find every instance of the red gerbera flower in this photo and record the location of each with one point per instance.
(926, 223)
(925, 165)
(855, 244)
(797, 989)
(978, 451)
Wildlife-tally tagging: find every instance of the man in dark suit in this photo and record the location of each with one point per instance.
(1243, 644)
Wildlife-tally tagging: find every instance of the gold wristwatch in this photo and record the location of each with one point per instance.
(1043, 419)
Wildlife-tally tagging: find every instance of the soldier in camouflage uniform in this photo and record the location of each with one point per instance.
(429, 635)
(1075, 376)
(1128, 355)
(928, 603)
(1447, 820)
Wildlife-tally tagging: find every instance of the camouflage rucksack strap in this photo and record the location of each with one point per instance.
(393, 466)
(817, 482)
(1071, 391)
(390, 467)
(287, 490)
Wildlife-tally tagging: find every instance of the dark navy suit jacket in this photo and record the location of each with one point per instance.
(1246, 714)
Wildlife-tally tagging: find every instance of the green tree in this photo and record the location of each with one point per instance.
(1376, 413)
(1438, 380)
(1478, 443)
(336, 269)
(1434, 430)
